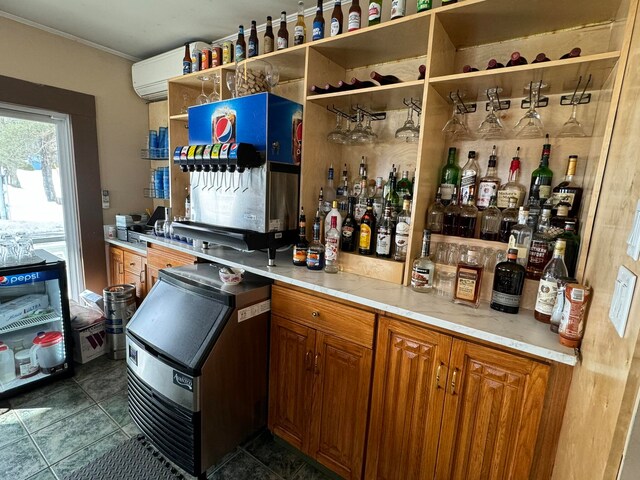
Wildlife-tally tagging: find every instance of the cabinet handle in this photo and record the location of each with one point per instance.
(169, 265)
(307, 360)
(453, 381)
(132, 264)
(141, 276)
(315, 313)
(438, 376)
(316, 367)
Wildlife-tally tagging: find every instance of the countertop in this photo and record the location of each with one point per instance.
(520, 332)
(140, 248)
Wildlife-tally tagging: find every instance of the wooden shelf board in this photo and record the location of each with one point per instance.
(385, 97)
(290, 62)
(405, 37)
(561, 76)
(478, 23)
(191, 79)
(475, 242)
(183, 117)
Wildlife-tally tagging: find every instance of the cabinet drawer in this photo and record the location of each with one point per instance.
(159, 258)
(132, 263)
(336, 319)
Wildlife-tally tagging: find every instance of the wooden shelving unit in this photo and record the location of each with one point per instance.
(445, 39)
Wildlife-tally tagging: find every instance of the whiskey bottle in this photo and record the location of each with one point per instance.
(548, 286)
(302, 245)
(491, 220)
(349, 228)
(331, 248)
(367, 231)
(378, 199)
(567, 191)
(520, 236)
(512, 188)
(384, 235)
(469, 179)
(423, 268)
(509, 219)
(403, 228)
(562, 217)
(508, 282)
(573, 247)
(541, 177)
(541, 247)
(315, 252)
(435, 215)
(489, 184)
(468, 218)
(449, 177)
(469, 277)
(451, 216)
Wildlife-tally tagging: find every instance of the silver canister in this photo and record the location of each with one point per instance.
(119, 307)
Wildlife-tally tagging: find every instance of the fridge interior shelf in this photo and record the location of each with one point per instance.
(31, 322)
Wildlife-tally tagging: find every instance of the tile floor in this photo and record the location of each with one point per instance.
(49, 432)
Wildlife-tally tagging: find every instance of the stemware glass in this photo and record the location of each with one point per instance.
(456, 128)
(406, 130)
(415, 133)
(337, 135)
(185, 103)
(230, 78)
(373, 136)
(572, 127)
(215, 95)
(358, 135)
(530, 125)
(272, 75)
(202, 98)
(492, 127)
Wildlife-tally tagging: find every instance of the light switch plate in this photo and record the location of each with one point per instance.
(621, 301)
(105, 199)
(633, 242)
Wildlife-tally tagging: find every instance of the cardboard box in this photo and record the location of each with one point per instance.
(89, 342)
(21, 307)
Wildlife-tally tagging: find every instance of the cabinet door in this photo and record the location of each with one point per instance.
(492, 413)
(409, 383)
(291, 381)
(152, 276)
(342, 372)
(116, 266)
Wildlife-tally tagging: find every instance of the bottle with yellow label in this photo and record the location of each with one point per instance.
(367, 230)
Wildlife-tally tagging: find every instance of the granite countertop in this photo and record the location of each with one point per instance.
(520, 332)
(140, 248)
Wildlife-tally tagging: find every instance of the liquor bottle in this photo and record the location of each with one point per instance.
(378, 199)
(320, 213)
(253, 48)
(392, 199)
(508, 282)
(520, 236)
(489, 184)
(567, 191)
(315, 252)
(403, 187)
(491, 221)
(541, 177)
(435, 215)
(541, 58)
(367, 235)
(451, 216)
(384, 235)
(575, 52)
(547, 289)
(424, 5)
(423, 268)
(558, 307)
(357, 181)
(337, 20)
(468, 218)
(342, 192)
(363, 198)
(329, 190)
(375, 12)
(403, 228)
(186, 60)
(241, 46)
(449, 177)
(384, 79)
(398, 8)
(333, 212)
(349, 228)
(268, 37)
(355, 16)
(469, 278)
(541, 247)
(448, 2)
(509, 219)
(512, 188)
(300, 29)
(572, 248)
(469, 179)
(318, 23)
(422, 71)
(392, 175)
(302, 245)
(562, 216)
(516, 59)
(331, 248)
(283, 33)
(493, 63)
(469, 69)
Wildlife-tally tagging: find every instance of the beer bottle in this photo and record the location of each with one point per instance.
(283, 33)
(375, 12)
(268, 37)
(336, 19)
(355, 16)
(241, 46)
(398, 8)
(424, 5)
(254, 45)
(300, 30)
(318, 23)
(186, 61)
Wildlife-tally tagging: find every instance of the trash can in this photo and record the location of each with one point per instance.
(119, 307)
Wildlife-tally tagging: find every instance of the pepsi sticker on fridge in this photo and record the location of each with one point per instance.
(272, 124)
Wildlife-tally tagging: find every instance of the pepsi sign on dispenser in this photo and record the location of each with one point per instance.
(272, 124)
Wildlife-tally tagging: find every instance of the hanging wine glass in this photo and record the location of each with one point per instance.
(456, 128)
(373, 136)
(492, 127)
(406, 130)
(272, 75)
(358, 135)
(202, 98)
(230, 78)
(530, 125)
(337, 135)
(572, 127)
(415, 133)
(185, 103)
(215, 95)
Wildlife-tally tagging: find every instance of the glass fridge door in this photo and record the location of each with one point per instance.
(34, 341)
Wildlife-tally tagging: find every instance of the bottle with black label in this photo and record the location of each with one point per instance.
(302, 245)
(384, 235)
(469, 178)
(508, 282)
(253, 48)
(348, 238)
(489, 184)
(241, 46)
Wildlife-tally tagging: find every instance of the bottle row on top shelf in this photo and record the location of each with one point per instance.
(517, 59)
(355, 83)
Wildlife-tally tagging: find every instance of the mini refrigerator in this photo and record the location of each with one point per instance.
(35, 330)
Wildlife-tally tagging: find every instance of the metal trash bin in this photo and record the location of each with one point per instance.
(119, 307)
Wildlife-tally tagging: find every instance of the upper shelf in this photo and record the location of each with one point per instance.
(471, 23)
(383, 98)
(290, 62)
(561, 76)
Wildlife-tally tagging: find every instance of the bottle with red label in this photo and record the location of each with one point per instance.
(355, 16)
(375, 12)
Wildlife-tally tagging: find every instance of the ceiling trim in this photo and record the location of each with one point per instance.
(68, 36)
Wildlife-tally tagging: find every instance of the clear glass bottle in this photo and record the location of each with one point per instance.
(321, 214)
(384, 235)
(378, 199)
(508, 282)
(451, 216)
(491, 221)
(334, 212)
(520, 236)
(329, 190)
(512, 188)
(315, 253)
(166, 228)
(302, 245)
(468, 218)
(300, 29)
(403, 228)
(435, 215)
(541, 246)
(489, 184)
(423, 268)
(449, 177)
(469, 277)
(469, 180)
(548, 286)
(331, 247)
(361, 203)
(558, 306)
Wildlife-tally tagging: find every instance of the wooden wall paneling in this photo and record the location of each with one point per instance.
(619, 24)
(178, 180)
(597, 399)
(442, 50)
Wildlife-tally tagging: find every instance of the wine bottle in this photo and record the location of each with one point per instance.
(422, 70)
(516, 59)
(385, 79)
(493, 63)
(469, 69)
(361, 84)
(541, 57)
(575, 52)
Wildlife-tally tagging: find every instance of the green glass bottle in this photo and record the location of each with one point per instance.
(424, 5)
(449, 178)
(541, 177)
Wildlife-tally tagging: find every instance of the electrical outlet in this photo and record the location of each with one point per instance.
(633, 242)
(621, 301)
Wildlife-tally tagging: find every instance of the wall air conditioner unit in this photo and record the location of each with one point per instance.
(150, 76)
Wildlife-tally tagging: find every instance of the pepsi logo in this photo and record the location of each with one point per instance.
(299, 132)
(3, 280)
(224, 130)
(234, 147)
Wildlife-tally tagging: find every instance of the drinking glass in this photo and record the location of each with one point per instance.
(185, 103)
(272, 75)
(415, 133)
(337, 135)
(230, 78)
(215, 95)
(572, 127)
(530, 125)
(406, 130)
(492, 127)
(373, 136)
(445, 281)
(202, 98)
(358, 135)
(456, 128)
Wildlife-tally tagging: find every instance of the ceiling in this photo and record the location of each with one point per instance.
(140, 29)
